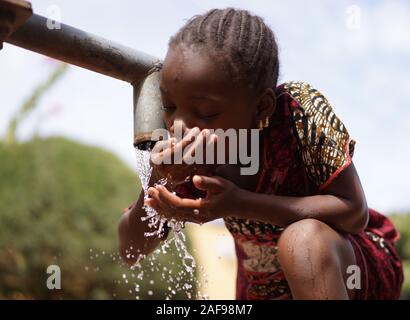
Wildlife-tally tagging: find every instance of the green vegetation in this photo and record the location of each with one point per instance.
(402, 223)
(60, 202)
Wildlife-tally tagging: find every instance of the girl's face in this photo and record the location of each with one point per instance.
(199, 92)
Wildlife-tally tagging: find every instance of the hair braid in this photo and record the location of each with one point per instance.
(243, 41)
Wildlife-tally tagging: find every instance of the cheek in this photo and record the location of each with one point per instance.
(237, 119)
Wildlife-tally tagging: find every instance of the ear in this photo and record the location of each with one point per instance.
(266, 105)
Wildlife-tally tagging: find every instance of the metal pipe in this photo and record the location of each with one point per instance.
(147, 112)
(95, 53)
(83, 49)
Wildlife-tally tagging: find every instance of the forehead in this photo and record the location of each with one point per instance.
(195, 72)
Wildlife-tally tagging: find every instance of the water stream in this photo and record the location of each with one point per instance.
(176, 237)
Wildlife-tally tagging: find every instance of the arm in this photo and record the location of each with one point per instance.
(131, 229)
(131, 234)
(342, 205)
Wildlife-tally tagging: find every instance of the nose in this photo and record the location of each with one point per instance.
(178, 125)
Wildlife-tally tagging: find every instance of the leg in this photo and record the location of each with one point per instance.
(314, 259)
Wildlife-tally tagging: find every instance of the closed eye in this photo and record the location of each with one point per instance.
(208, 116)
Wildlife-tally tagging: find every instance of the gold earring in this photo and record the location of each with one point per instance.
(266, 122)
(260, 125)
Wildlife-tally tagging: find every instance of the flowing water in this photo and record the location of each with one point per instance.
(176, 237)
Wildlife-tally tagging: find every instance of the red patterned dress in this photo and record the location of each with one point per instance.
(305, 147)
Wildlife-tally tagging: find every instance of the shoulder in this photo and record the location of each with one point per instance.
(312, 113)
(323, 139)
(306, 97)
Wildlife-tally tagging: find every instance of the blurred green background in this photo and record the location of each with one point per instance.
(60, 203)
(402, 223)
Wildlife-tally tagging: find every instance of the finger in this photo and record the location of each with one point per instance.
(186, 212)
(192, 132)
(166, 150)
(154, 205)
(177, 202)
(154, 194)
(152, 191)
(194, 153)
(176, 148)
(179, 126)
(180, 214)
(188, 138)
(197, 211)
(161, 150)
(213, 184)
(211, 148)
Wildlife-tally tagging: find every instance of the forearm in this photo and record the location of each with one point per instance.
(339, 213)
(131, 232)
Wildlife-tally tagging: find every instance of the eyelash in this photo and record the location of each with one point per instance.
(209, 117)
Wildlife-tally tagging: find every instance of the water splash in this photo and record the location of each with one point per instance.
(157, 223)
(171, 278)
(177, 278)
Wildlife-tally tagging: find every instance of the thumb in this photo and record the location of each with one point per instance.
(212, 184)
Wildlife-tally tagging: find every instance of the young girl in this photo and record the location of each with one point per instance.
(301, 226)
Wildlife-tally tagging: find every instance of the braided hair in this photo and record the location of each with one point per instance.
(243, 41)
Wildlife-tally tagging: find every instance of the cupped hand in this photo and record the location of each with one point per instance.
(223, 198)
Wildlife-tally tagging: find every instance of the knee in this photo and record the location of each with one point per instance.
(307, 240)
(303, 232)
(313, 257)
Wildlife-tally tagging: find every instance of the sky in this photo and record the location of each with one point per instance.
(355, 52)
